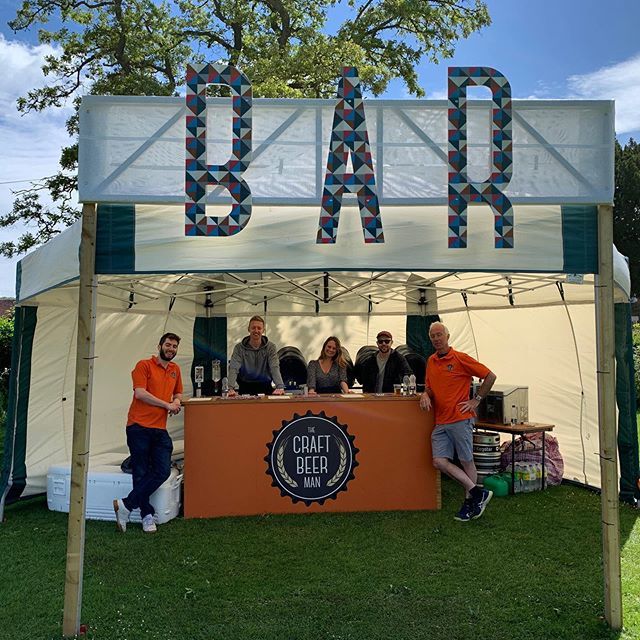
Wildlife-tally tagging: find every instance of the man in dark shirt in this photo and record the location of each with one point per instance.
(388, 367)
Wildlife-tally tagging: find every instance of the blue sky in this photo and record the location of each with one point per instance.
(581, 49)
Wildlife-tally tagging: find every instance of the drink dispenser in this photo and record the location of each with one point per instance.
(216, 375)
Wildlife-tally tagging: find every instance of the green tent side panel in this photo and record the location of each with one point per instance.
(418, 334)
(115, 236)
(580, 238)
(14, 471)
(626, 399)
(209, 343)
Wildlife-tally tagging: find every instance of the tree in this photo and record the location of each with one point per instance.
(626, 211)
(286, 48)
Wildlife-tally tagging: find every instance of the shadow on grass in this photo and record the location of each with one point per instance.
(531, 567)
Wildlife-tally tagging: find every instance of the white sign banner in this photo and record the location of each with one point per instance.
(132, 150)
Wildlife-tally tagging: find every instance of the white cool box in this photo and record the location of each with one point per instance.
(104, 483)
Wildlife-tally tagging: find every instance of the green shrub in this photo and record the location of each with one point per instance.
(6, 339)
(3, 416)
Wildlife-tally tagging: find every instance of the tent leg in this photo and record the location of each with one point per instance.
(81, 423)
(605, 340)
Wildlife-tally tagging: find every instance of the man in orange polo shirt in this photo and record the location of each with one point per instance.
(157, 391)
(447, 383)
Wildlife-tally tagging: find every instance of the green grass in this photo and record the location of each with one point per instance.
(531, 567)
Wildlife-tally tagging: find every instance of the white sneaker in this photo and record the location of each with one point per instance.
(149, 524)
(122, 514)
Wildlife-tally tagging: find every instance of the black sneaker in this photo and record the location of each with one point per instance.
(481, 505)
(464, 515)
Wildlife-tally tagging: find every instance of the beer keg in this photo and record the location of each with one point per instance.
(486, 453)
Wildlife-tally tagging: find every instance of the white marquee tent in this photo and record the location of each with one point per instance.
(519, 324)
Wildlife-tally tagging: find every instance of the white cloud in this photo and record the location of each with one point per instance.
(620, 82)
(21, 69)
(437, 95)
(29, 144)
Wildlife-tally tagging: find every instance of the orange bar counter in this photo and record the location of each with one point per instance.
(307, 454)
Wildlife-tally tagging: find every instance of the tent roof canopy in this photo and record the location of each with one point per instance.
(336, 292)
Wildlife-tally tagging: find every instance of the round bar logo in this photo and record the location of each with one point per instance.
(311, 458)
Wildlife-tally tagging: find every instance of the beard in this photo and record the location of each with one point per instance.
(167, 357)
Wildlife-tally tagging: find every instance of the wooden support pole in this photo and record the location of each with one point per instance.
(605, 339)
(81, 423)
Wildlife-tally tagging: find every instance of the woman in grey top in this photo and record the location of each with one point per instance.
(328, 374)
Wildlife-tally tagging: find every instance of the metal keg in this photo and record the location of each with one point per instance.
(486, 453)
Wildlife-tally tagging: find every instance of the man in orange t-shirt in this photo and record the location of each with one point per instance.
(157, 391)
(447, 382)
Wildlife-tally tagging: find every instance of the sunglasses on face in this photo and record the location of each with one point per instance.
(384, 341)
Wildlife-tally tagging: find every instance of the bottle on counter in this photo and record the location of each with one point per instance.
(225, 387)
(514, 414)
(405, 385)
(412, 385)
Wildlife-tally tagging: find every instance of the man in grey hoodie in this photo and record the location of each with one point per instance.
(254, 363)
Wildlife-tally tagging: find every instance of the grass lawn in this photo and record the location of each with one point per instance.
(530, 568)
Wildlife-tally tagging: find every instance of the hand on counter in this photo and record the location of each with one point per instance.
(232, 393)
(278, 392)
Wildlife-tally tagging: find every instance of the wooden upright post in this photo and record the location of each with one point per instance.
(81, 423)
(605, 339)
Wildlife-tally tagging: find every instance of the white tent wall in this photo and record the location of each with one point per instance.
(50, 416)
(121, 340)
(536, 348)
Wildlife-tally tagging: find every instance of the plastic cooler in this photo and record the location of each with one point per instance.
(106, 482)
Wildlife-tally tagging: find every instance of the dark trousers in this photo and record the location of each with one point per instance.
(150, 465)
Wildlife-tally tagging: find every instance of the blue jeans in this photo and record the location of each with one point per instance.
(150, 465)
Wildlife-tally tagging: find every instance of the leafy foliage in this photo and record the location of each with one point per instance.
(626, 213)
(288, 48)
(6, 338)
